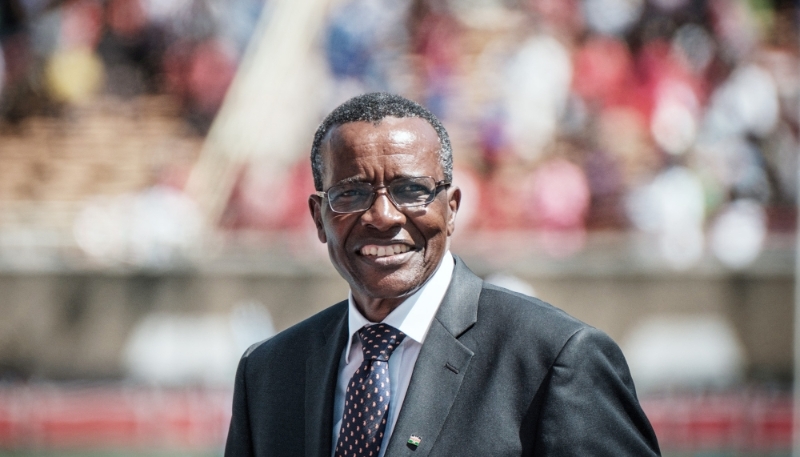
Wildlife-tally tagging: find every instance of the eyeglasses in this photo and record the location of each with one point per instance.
(352, 197)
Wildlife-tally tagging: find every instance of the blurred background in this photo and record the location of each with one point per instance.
(634, 162)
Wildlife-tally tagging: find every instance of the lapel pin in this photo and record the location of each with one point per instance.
(414, 440)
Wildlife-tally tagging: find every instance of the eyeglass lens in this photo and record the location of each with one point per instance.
(404, 192)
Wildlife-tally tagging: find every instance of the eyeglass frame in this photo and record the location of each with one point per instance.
(436, 184)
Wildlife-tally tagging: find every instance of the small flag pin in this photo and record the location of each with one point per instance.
(414, 440)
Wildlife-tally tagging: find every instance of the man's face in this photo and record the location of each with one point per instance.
(410, 241)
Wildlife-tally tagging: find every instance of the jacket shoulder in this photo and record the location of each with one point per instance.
(296, 337)
(517, 325)
(527, 312)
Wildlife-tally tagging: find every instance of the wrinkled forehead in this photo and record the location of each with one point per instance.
(369, 151)
(407, 134)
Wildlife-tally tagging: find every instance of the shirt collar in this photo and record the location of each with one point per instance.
(414, 316)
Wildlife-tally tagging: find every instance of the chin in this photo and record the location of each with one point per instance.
(391, 287)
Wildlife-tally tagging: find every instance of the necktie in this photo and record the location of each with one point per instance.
(367, 396)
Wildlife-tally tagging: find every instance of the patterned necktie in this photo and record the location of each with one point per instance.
(367, 397)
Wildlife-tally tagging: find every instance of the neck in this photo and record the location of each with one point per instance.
(376, 309)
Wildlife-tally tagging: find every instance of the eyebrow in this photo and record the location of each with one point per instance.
(349, 180)
(360, 179)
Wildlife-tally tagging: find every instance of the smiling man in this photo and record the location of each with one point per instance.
(423, 358)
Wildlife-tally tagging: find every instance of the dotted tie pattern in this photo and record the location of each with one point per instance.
(367, 397)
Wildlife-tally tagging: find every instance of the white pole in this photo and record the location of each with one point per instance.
(264, 108)
(796, 389)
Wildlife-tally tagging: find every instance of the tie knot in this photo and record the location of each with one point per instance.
(379, 341)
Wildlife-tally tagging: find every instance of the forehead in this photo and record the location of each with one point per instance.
(394, 146)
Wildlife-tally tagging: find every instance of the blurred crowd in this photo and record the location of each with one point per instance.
(61, 52)
(675, 118)
(678, 118)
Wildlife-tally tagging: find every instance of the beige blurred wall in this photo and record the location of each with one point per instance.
(74, 324)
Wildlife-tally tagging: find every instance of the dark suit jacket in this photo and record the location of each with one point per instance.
(499, 374)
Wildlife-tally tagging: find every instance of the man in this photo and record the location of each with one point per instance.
(423, 358)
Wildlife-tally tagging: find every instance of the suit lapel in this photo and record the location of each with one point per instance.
(440, 368)
(321, 374)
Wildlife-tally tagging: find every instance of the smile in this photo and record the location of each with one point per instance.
(384, 251)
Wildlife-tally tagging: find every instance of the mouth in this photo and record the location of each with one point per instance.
(378, 251)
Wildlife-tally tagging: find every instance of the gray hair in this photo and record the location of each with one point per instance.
(373, 108)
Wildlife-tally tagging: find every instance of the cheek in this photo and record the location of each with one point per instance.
(434, 228)
(335, 239)
(337, 229)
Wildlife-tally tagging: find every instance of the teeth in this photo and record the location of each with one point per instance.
(382, 251)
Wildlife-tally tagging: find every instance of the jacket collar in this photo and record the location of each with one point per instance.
(441, 366)
(322, 368)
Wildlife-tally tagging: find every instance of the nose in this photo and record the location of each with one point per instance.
(382, 215)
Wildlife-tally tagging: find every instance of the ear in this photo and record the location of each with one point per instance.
(315, 206)
(454, 202)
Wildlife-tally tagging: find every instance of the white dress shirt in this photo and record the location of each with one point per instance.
(413, 317)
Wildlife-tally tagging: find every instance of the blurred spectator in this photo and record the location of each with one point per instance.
(123, 48)
(154, 228)
(684, 353)
(366, 47)
(171, 349)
